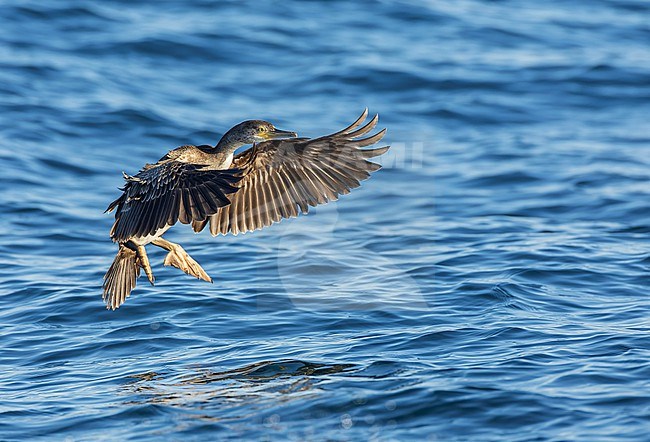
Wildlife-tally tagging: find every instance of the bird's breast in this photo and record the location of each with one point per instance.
(144, 240)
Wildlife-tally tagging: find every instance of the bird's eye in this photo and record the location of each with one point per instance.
(263, 129)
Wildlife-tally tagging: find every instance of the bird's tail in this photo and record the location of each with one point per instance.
(120, 278)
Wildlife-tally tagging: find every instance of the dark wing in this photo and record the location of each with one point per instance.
(169, 191)
(282, 178)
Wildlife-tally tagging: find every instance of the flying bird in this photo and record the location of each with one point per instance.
(279, 176)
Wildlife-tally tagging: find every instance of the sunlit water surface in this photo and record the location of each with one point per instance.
(490, 283)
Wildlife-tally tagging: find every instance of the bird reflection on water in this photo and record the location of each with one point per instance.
(252, 384)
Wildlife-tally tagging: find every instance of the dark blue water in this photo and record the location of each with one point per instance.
(490, 283)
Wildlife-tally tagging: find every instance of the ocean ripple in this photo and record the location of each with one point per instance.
(489, 283)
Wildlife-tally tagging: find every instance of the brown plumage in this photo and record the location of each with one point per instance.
(281, 179)
(167, 192)
(278, 178)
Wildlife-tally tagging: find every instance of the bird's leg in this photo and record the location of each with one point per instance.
(143, 260)
(178, 257)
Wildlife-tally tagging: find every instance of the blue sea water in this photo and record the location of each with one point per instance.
(490, 283)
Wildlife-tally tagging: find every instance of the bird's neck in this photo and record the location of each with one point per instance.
(225, 152)
(226, 147)
(228, 144)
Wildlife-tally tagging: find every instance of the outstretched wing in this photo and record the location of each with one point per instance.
(169, 191)
(282, 178)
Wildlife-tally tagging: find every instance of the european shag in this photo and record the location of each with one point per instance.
(280, 176)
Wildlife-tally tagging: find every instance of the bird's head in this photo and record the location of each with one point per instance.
(255, 131)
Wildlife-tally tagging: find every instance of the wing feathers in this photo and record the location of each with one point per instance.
(354, 125)
(371, 140)
(167, 192)
(283, 178)
(371, 153)
(365, 129)
(272, 180)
